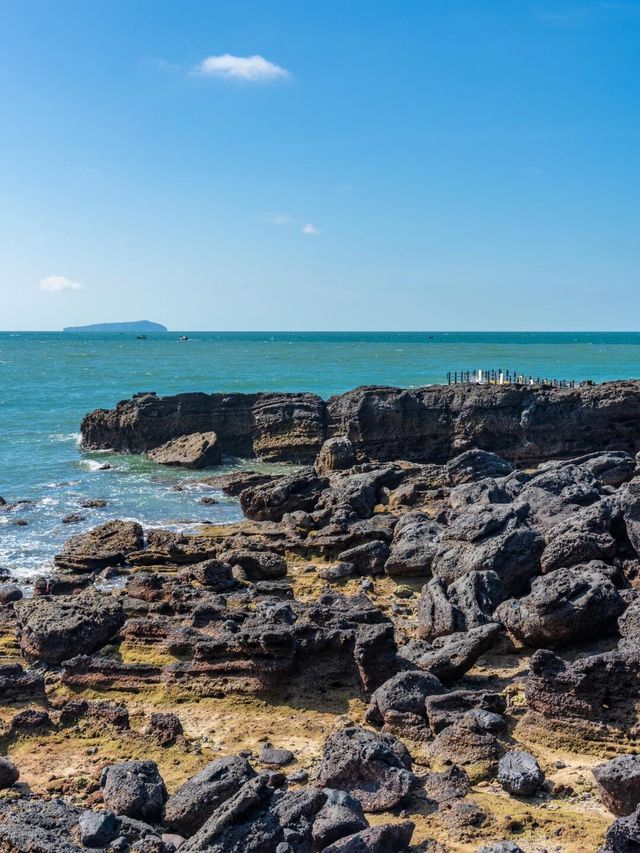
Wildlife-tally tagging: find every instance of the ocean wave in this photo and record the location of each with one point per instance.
(66, 436)
(91, 465)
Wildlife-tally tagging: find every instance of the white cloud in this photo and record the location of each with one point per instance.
(310, 229)
(279, 219)
(57, 283)
(251, 68)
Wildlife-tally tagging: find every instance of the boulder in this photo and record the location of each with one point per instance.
(53, 629)
(194, 802)
(271, 501)
(414, 545)
(31, 825)
(257, 565)
(9, 773)
(478, 493)
(97, 829)
(404, 692)
(259, 818)
(212, 574)
(584, 536)
(490, 538)
(385, 838)
(455, 654)
(134, 789)
(369, 558)
(106, 545)
(611, 467)
(275, 757)
(565, 606)
(340, 816)
(9, 593)
(623, 836)
(198, 450)
(375, 769)
(336, 454)
(467, 603)
(164, 727)
(20, 685)
(449, 785)
(520, 774)
(476, 465)
(618, 783)
(470, 743)
(444, 710)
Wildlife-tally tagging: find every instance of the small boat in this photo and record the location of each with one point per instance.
(141, 337)
(183, 338)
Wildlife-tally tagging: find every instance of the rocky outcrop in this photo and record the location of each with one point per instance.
(54, 629)
(106, 545)
(273, 427)
(433, 424)
(601, 689)
(198, 450)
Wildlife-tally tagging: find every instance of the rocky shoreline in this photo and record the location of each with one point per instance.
(526, 425)
(413, 643)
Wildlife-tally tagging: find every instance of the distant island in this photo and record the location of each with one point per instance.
(138, 326)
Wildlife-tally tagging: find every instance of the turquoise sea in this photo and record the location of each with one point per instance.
(48, 381)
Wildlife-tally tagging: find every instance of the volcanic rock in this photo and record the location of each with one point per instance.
(453, 655)
(414, 545)
(601, 688)
(404, 692)
(368, 558)
(520, 774)
(106, 545)
(271, 501)
(97, 829)
(448, 785)
(467, 603)
(340, 816)
(336, 454)
(623, 836)
(53, 629)
(9, 773)
(489, 538)
(565, 606)
(385, 838)
(134, 789)
(524, 424)
(195, 801)
(445, 709)
(19, 685)
(375, 769)
(257, 565)
(198, 450)
(618, 783)
(476, 465)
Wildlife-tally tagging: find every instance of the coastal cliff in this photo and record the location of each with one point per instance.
(525, 425)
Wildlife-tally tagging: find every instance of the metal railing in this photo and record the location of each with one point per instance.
(510, 377)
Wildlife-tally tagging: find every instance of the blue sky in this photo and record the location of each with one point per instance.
(382, 165)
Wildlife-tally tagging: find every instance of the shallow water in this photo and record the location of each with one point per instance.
(48, 381)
